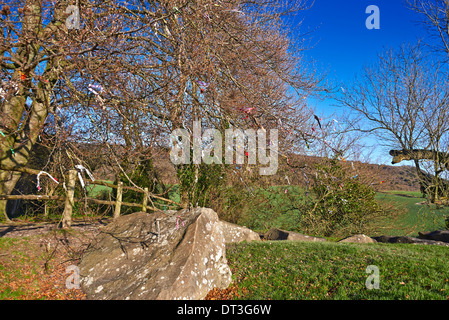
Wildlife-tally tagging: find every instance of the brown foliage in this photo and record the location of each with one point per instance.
(133, 71)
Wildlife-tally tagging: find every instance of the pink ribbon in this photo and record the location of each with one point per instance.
(177, 222)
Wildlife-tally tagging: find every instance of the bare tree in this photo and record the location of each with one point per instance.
(435, 14)
(130, 72)
(403, 100)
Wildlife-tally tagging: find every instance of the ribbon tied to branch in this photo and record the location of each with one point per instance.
(80, 169)
(178, 218)
(38, 176)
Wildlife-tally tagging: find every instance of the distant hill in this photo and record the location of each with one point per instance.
(394, 177)
(383, 177)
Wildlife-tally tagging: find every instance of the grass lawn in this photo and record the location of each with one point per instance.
(298, 270)
(94, 190)
(417, 217)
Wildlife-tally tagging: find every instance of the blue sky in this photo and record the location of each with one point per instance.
(343, 44)
(342, 40)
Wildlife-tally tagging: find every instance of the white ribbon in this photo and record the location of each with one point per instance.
(333, 124)
(236, 11)
(39, 174)
(5, 86)
(91, 88)
(80, 169)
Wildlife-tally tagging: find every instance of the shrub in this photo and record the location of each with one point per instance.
(340, 204)
(142, 175)
(198, 184)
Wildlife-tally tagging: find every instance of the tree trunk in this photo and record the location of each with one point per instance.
(22, 149)
(69, 200)
(431, 186)
(8, 180)
(420, 154)
(20, 123)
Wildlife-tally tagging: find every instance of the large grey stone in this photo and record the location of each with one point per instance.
(157, 256)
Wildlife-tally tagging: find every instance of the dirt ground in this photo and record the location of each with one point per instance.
(34, 258)
(27, 229)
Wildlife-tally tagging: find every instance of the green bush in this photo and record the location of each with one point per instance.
(198, 184)
(340, 204)
(142, 175)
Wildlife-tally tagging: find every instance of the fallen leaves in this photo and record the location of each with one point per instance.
(38, 285)
(28, 271)
(226, 294)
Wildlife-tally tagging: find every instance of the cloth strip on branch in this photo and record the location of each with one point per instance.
(236, 11)
(177, 222)
(318, 120)
(203, 86)
(7, 85)
(94, 88)
(333, 124)
(38, 176)
(80, 169)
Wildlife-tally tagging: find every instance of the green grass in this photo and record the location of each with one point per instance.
(286, 270)
(298, 270)
(18, 257)
(94, 190)
(417, 217)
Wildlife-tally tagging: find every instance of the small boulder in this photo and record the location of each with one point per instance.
(411, 240)
(276, 234)
(236, 233)
(437, 235)
(294, 236)
(358, 238)
(279, 234)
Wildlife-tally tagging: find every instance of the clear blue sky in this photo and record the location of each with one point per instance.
(343, 44)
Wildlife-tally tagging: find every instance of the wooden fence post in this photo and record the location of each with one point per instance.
(118, 202)
(145, 200)
(69, 200)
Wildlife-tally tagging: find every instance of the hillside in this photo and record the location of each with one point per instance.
(384, 177)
